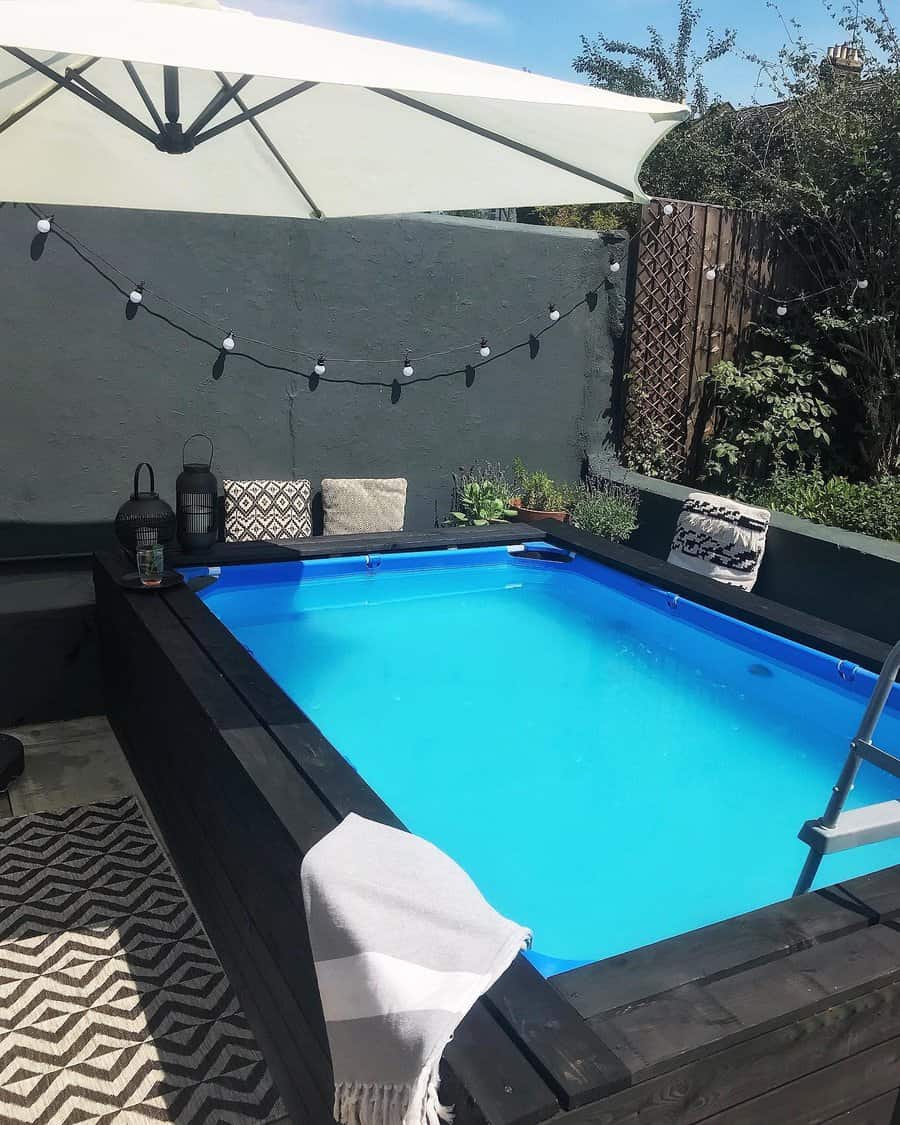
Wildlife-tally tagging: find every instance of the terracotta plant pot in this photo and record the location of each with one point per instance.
(534, 515)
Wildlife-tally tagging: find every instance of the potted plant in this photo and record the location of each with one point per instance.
(480, 497)
(539, 496)
(606, 507)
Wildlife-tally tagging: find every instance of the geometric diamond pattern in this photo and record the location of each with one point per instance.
(114, 1008)
(267, 509)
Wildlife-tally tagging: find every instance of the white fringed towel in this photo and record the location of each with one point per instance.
(404, 944)
(720, 538)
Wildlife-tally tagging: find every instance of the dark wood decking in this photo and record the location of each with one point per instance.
(764, 1017)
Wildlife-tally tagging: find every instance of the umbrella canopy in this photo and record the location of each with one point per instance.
(134, 103)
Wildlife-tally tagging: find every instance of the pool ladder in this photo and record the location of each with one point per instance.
(836, 830)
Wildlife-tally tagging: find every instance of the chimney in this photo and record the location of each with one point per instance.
(845, 60)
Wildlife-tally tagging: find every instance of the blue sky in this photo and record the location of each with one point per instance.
(543, 35)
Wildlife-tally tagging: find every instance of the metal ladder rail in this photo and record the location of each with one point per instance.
(815, 832)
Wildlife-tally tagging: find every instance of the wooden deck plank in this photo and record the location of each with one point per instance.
(816, 1097)
(881, 1110)
(718, 1080)
(712, 951)
(679, 1025)
(333, 546)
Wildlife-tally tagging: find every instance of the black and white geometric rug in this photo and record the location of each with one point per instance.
(114, 1009)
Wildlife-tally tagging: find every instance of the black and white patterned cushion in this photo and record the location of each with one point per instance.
(267, 509)
(720, 538)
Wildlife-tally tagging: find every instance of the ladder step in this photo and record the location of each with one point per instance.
(854, 827)
(878, 757)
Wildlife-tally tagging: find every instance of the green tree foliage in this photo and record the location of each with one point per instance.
(670, 71)
(823, 163)
(871, 508)
(771, 410)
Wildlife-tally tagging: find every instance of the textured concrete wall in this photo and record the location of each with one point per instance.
(87, 392)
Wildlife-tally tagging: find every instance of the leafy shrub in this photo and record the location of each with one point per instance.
(870, 508)
(481, 496)
(537, 490)
(606, 508)
(773, 408)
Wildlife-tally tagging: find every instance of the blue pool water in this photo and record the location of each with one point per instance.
(611, 765)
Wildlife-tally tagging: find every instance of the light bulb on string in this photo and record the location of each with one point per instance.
(668, 209)
(44, 225)
(711, 273)
(137, 294)
(319, 369)
(614, 267)
(781, 310)
(862, 283)
(228, 343)
(484, 349)
(553, 313)
(408, 369)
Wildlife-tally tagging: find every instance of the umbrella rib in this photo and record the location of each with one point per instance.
(91, 95)
(40, 98)
(498, 138)
(215, 104)
(145, 97)
(270, 145)
(253, 111)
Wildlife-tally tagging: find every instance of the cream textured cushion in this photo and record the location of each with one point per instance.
(720, 538)
(351, 506)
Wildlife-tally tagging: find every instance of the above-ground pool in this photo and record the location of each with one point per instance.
(611, 764)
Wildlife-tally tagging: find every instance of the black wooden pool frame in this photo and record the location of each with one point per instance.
(788, 1014)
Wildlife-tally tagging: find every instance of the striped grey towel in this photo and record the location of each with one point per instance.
(404, 944)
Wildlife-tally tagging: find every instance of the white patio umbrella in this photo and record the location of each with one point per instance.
(181, 107)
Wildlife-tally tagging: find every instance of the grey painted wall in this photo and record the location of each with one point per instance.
(87, 393)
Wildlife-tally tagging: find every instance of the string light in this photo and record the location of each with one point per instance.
(711, 273)
(136, 293)
(782, 310)
(82, 248)
(862, 283)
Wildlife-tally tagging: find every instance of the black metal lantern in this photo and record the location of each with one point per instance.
(196, 497)
(144, 519)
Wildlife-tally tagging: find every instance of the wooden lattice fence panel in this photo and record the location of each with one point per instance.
(660, 352)
(683, 322)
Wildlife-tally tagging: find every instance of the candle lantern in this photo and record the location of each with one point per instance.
(144, 519)
(196, 497)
